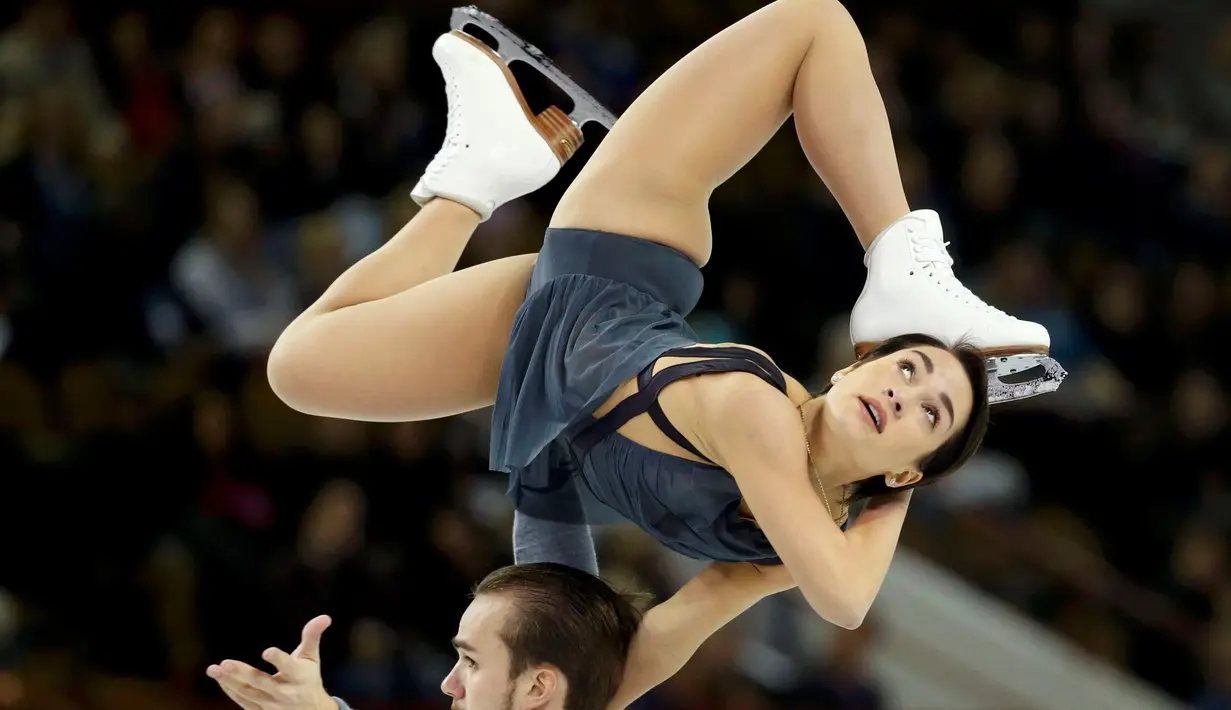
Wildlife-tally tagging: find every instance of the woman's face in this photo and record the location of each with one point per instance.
(892, 412)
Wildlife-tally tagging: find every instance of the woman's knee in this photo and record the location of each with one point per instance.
(829, 17)
(287, 369)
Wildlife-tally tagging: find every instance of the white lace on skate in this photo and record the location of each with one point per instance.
(453, 141)
(1010, 377)
(933, 254)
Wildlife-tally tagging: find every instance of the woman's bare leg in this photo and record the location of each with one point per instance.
(398, 337)
(708, 115)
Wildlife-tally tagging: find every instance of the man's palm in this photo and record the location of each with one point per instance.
(296, 686)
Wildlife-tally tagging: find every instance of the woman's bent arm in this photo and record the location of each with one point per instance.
(758, 437)
(673, 631)
(874, 536)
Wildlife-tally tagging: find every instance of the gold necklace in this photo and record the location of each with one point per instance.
(812, 466)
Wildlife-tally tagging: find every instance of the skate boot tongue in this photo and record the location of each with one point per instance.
(1010, 376)
(931, 251)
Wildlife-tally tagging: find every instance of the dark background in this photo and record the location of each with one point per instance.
(177, 180)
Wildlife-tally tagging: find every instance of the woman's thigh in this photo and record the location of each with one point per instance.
(431, 351)
(693, 128)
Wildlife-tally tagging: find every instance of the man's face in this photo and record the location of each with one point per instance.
(480, 678)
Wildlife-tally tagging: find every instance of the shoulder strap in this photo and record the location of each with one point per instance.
(650, 385)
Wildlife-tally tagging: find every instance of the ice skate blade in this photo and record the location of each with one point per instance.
(511, 48)
(1016, 377)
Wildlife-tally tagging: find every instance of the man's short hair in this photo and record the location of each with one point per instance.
(571, 620)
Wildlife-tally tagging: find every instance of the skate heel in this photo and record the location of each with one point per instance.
(560, 132)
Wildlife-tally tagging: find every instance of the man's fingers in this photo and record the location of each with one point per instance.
(239, 699)
(310, 640)
(245, 696)
(244, 675)
(281, 660)
(253, 689)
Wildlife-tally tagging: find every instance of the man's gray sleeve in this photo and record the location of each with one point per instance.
(536, 540)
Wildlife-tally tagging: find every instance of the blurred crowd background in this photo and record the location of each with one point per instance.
(177, 181)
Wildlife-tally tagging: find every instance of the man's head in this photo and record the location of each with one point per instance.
(541, 636)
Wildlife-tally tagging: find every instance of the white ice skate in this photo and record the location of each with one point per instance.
(495, 149)
(911, 288)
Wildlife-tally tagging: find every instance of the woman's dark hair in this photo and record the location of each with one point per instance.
(949, 456)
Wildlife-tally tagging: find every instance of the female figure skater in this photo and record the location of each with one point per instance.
(601, 392)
